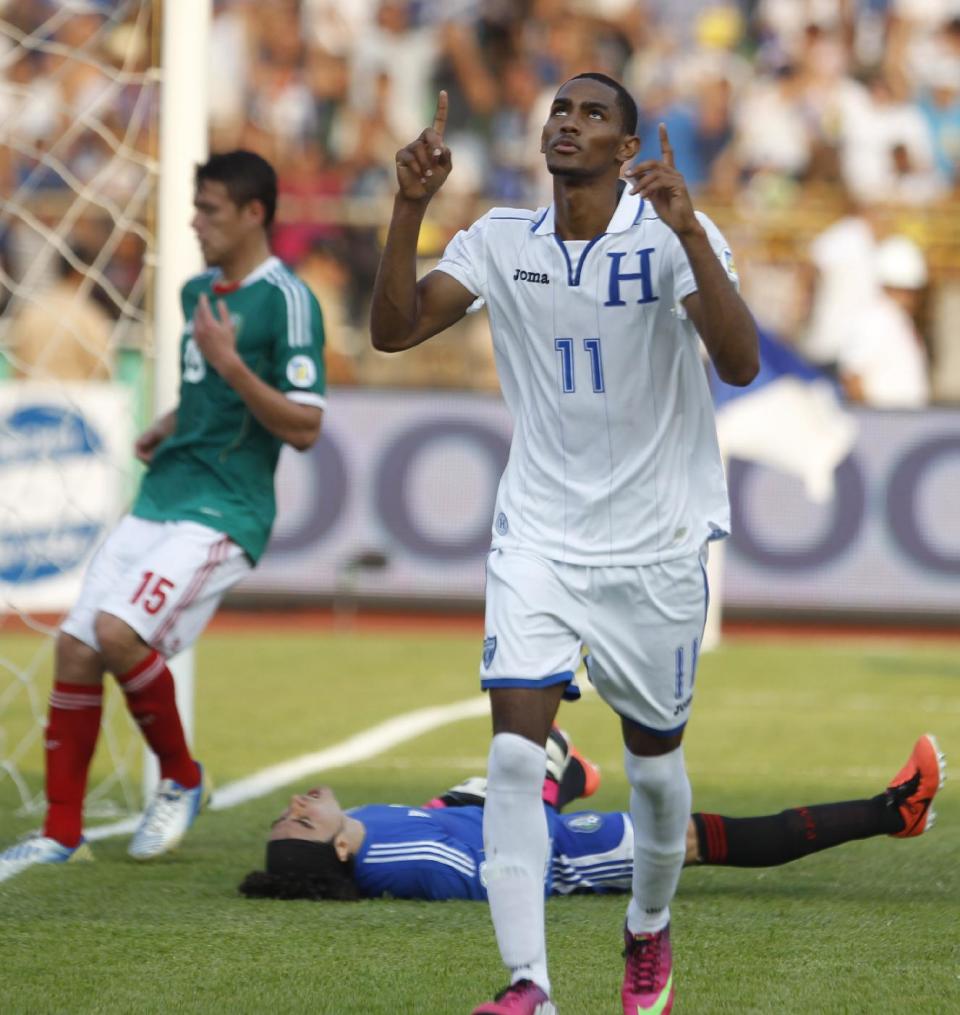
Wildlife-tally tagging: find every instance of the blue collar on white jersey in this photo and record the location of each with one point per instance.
(626, 216)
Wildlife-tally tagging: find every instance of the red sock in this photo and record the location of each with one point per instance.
(73, 725)
(151, 698)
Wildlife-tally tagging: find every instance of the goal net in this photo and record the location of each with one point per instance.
(79, 170)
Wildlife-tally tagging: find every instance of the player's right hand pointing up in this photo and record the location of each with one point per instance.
(424, 165)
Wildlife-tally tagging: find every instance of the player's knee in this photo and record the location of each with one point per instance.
(515, 764)
(644, 743)
(77, 662)
(658, 778)
(117, 639)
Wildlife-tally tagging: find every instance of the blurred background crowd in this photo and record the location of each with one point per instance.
(822, 135)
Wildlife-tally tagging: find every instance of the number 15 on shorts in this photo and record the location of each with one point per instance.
(152, 592)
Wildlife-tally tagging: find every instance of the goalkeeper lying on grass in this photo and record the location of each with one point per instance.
(316, 850)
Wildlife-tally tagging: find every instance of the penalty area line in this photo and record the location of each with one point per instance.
(360, 747)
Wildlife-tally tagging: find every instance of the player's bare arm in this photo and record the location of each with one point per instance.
(404, 311)
(151, 438)
(716, 309)
(295, 424)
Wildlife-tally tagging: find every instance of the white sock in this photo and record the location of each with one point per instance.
(660, 801)
(517, 846)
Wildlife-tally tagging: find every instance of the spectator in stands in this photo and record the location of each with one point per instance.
(759, 97)
(843, 281)
(773, 136)
(62, 333)
(781, 26)
(885, 363)
(886, 147)
(403, 53)
(87, 89)
(325, 270)
(940, 105)
(512, 167)
(335, 26)
(305, 203)
(282, 106)
(230, 56)
(367, 142)
(330, 84)
(30, 104)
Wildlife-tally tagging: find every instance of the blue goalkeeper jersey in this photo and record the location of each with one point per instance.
(422, 853)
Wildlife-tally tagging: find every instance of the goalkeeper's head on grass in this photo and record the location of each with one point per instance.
(252, 379)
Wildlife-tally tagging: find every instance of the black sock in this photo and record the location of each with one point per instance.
(572, 783)
(779, 838)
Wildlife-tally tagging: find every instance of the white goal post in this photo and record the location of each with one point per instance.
(183, 145)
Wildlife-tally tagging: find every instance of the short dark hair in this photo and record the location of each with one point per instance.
(629, 114)
(247, 177)
(264, 885)
(300, 869)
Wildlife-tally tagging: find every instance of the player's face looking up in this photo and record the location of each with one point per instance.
(584, 135)
(315, 816)
(222, 227)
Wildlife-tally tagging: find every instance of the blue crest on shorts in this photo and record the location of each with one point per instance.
(489, 650)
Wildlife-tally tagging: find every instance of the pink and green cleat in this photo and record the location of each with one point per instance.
(521, 998)
(648, 978)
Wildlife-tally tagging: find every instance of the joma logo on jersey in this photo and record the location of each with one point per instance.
(519, 275)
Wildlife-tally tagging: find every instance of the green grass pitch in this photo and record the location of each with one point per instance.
(870, 927)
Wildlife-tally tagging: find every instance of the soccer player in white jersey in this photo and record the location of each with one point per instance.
(613, 487)
(252, 379)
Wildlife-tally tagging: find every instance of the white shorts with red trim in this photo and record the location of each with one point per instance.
(164, 579)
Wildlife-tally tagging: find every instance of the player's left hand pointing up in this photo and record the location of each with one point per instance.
(661, 183)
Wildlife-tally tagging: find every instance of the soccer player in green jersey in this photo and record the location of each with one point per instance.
(252, 380)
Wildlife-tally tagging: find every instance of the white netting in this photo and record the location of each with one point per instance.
(79, 97)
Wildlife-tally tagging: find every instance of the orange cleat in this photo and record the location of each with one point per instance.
(913, 788)
(570, 775)
(591, 772)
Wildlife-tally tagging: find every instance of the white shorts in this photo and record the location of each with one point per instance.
(163, 579)
(642, 625)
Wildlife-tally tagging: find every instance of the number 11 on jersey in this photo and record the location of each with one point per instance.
(568, 381)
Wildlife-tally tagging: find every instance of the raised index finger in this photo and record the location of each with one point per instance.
(666, 149)
(440, 117)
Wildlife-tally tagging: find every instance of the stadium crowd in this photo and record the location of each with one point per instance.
(811, 131)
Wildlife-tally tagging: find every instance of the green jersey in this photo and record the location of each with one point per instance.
(217, 468)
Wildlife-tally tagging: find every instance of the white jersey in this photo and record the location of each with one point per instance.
(887, 354)
(614, 457)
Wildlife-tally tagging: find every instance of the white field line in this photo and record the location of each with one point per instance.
(359, 747)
